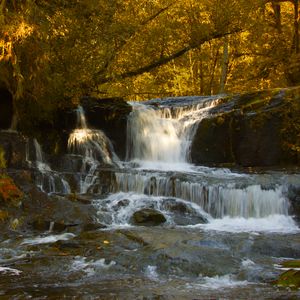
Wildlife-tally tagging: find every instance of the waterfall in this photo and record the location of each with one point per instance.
(94, 147)
(46, 179)
(164, 134)
(90, 143)
(219, 200)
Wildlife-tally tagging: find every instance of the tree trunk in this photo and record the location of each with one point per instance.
(15, 119)
(296, 26)
(277, 15)
(224, 66)
(201, 74)
(212, 77)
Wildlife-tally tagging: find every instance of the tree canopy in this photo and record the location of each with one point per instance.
(53, 52)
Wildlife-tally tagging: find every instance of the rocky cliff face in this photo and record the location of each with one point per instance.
(254, 129)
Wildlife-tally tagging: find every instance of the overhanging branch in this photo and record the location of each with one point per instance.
(165, 59)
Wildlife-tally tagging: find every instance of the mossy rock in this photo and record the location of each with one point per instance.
(291, 263)
(289, 279)
(251, 130)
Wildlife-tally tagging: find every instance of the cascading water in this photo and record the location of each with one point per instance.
(46, 179)
(219, 200)
(95, 148)
(164, 134)
(220, 234)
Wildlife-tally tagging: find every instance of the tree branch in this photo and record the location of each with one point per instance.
(165, 59)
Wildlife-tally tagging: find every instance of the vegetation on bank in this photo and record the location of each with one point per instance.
(53, 52)
(10, 194)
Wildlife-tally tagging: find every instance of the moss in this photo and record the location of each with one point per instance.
(289, 279)
(2, 159)
(291, 264)
(255, 101)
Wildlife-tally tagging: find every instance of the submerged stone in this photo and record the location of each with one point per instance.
(148, 217)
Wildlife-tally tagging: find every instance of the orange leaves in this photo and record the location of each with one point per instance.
(9, 191)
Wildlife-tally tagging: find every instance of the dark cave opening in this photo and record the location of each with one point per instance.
(6, 108)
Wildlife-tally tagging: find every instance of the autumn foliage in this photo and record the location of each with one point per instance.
(9, 192)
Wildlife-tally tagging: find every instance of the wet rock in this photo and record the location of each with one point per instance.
(40, 211)
(253, 129)
(93, 226)
(109, 115)
(182, 213)
(148, 217)
(121, 204)
(43, 225)
(14, 146)
(106, 180)
(294, 197)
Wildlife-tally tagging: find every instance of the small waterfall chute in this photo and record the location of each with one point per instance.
(94, 147)
(46, 179)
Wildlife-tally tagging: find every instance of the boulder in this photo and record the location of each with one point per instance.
(148, 217)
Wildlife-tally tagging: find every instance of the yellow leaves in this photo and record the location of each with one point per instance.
(23, 30)
(5, 50)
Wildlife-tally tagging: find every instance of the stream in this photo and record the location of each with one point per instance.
(225, 232)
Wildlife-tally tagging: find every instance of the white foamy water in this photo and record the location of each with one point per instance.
(219, 200)
(163, 135)
(151, 273)
(217, 282)
(121, 206)
(90, 143)
(94, 147)
(48, 239)
(90, 267)
(272, 224)
(10, 271)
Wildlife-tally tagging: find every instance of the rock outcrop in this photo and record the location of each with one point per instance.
(250, 130)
